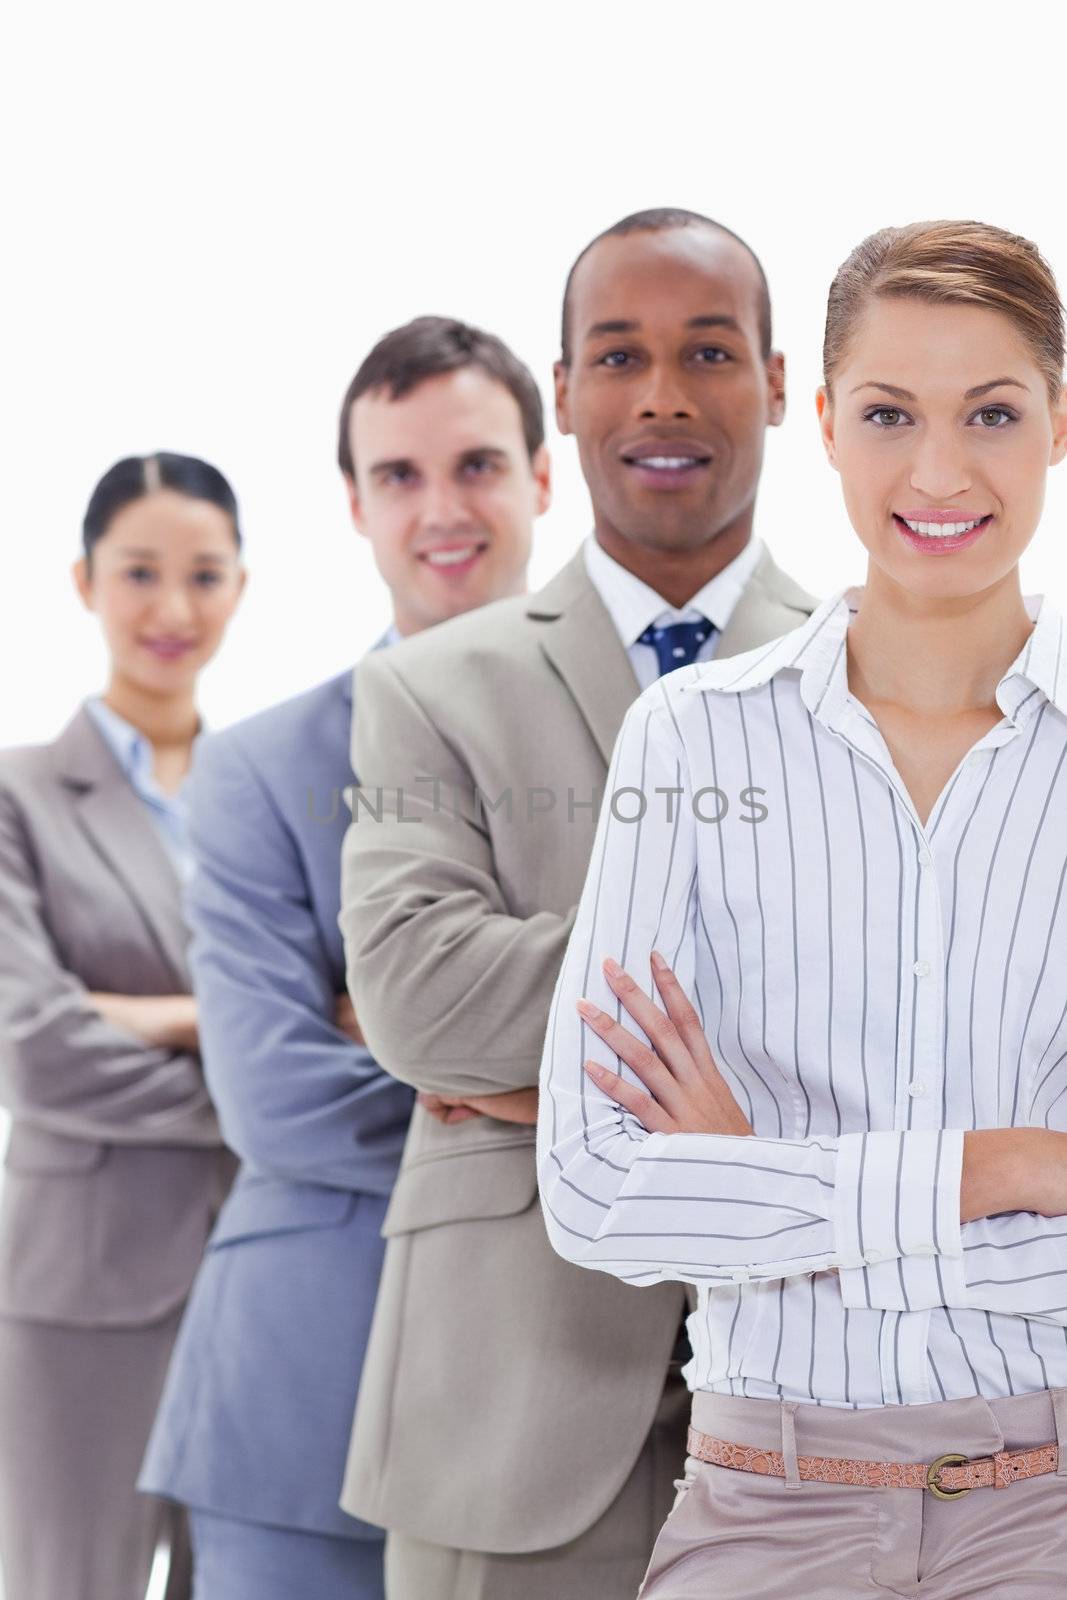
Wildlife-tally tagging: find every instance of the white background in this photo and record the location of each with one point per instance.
(212, 211)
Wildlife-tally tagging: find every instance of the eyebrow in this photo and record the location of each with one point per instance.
(140, 553)
(971, 394)
(709, 321)
(495, 451)
(380, 468)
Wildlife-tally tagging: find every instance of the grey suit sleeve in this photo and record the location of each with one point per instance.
(451, 990)
(297, 1098)
(63, 1067)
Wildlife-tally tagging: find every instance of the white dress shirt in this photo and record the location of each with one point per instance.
(870, 987)
(633, 606)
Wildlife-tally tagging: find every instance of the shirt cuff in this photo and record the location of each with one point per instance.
(897, 1214)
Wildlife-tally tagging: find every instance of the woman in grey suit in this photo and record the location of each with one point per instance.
(114, 1167)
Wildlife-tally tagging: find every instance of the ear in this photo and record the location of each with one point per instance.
(561, 378)
(776, 388)
(824, 406)
(355, 505)
(541, 467)
(83, 583)
(1059, 429)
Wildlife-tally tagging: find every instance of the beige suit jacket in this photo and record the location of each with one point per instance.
(506, 1394)
(114, 1167)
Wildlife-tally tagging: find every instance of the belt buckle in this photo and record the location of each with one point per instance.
(950, 1460)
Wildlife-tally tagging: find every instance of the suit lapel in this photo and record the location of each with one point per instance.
(769, 605)
(119, 828)
(580, 642)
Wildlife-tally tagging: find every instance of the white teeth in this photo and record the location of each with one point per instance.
(450, 558)
(666, 463)
(942, 530)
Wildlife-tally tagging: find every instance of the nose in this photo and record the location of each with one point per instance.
(663, 394)
(940, 468)
(443, 505)
(174, 607)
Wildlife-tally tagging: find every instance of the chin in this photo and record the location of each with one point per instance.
(941, 578)
(170, 674)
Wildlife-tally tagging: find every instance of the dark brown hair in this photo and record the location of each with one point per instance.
(960, 263)
(428, 347)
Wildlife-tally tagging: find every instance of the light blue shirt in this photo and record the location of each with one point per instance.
(133, 752)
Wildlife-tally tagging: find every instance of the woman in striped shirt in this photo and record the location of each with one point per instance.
(839, 1106)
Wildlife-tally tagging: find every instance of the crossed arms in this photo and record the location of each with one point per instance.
(451, 989)
(120, 1069)
(298, 1095)
(649, 1169)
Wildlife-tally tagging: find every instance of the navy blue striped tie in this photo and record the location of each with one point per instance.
(678, 644)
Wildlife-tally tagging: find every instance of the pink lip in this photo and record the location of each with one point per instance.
(455, 571)
(924, 514)
(927, 546)
(450, 544)
(169, 649)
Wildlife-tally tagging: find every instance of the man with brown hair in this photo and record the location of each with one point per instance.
(441, 445)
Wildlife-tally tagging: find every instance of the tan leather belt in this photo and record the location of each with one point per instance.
(949, 1477)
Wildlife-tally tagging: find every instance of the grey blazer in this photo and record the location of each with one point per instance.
(506, 1394)
(115, 1167)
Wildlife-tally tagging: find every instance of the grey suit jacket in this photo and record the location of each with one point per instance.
(115, 1166)
(506, 1394)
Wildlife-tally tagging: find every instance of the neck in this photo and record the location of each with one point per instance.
(167, 721)
(934, 655)
(407, 620)
(675, 575)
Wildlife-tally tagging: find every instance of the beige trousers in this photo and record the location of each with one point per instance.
(733, 1535)
(604, 1563)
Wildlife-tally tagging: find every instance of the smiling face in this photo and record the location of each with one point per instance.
(667, 392)
(164, 580)
(446, 493)
(941, 428)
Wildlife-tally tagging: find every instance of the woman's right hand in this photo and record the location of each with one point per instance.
(166, 1021)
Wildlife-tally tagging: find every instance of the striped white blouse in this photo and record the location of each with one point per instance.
(870, 988)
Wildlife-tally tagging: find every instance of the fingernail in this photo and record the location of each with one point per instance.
(588, 1009)
(657, 960)
(595, 1070)
(612, 968)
